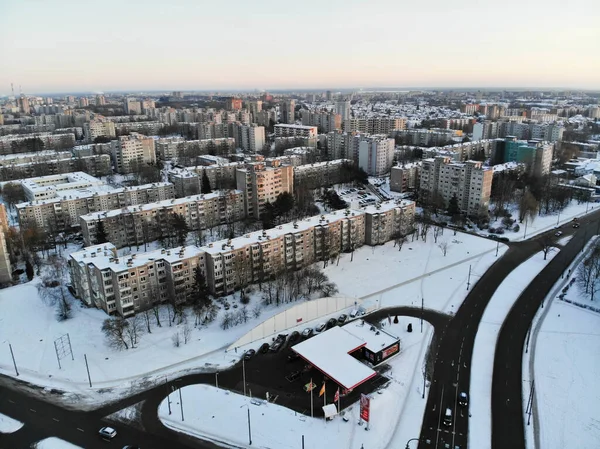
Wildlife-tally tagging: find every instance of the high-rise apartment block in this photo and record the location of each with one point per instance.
(376, 154)
(374, 125)
(132, 151)
(342, 108)
(5, 266)
(469, 182)
(136, 225)
(99, 127)
(326, 121)
(261, 184)
(287, 112)
(535, 154)
(233, 104)
(132, 106)
(405, 178)
(100, 100)
(252, 138)
(283, 130)
(385, 221)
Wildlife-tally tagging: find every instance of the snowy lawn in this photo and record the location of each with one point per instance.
(482, 365)
(564, 362)
(9, 425)
(396, 413)
(54, 443)
(388, 277)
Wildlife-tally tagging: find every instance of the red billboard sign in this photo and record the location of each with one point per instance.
(391, 350)
(365, 406)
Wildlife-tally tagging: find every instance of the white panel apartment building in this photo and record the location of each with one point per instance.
(63, 212)
(261, 184)
(252, 138)
(376, 154)
(470, 182)
(282, 130)
(169, 148)
(133, 149)
(136, 225)
(99, 127)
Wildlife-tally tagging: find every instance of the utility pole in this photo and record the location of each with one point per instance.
(302, 441)
(13, 358)
(168, 394)
(250, 429)
(525, 234)
(497, 247)
(469, 278)
(87, 367)
(422, 307)
(423, 396)
(217, 380)
(527, 343)
(181, 404)
(244, 374)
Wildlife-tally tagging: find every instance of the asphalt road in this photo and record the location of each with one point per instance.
(507, 399)
(454, 349)
(263, 373)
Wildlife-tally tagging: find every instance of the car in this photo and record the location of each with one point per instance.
(282, 337)
(575, 225)
(320, 327)
(249, 354)
(463, 399)
(342, 319)
(448, 417)
(129, 446)
(107, 433)
(332, 322)
(292, 357)
(357, 312)
(264, 348)
(558, 233)
(306, 333)
(294, 336)
(276, 345)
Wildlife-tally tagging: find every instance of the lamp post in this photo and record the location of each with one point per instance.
(217, 380)
(249, 426)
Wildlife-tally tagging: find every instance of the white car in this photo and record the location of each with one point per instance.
(558, 233)
(108, 433)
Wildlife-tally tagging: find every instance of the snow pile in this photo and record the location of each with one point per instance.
(9, 425)
(482, 365)
(55, 443)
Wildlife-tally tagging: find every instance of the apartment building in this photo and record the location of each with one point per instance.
(470, 182)
(283, 130)
(233, 104)
(132, 151)
(18, 143)
(169, 148)
(320, 174)
(374, 125)
(386, 220)
(231, 264)
(325, 121)
(5, 266)
(61, 213)
(129, 284)
(252, 138)
(44, 187)
(188, 180)
(261, 184)
(132, 106)
(287, 111)
(375, 154)
(405, 178)
(144, 223)
(428, 137)
(96, 165)
(339, 145)
(535, 154)
(342, 108)
(99, 127)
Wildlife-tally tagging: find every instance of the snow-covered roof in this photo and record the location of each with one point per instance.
(329, 352)
(376, 339)
(386, 206)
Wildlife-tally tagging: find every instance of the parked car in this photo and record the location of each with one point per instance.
(294, 336)
(342, 319)
(107, 433)
(463, 399)
(558, 233)
(249, 354)
(307, 332)
(264, 348)
(292, 356)
(320, 327)
(332, 322)
(282, 337)
(575, 225)
(129, 446)
(276, 345)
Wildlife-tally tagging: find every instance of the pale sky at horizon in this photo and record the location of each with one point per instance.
(69, 45)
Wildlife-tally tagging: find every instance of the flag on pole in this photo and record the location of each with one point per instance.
(322, 392)
(336, 397)
(310, 386)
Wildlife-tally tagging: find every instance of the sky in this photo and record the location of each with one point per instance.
(81, 45)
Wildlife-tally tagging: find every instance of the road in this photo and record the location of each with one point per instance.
(454, 349)
(507, 398)
(44, 419)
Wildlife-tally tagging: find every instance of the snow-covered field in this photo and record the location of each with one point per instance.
(54, 443)
(482, 364)
(564, 362)
(382, 275)
(9, 425)
(396, 413)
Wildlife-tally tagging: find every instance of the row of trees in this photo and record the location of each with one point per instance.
(588, 273)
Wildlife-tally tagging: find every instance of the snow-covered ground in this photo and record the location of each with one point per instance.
(564, 362)
(382, 275)
(396, 413)
(54, 443)
(9, 425)
(482, 364)
(543, 223)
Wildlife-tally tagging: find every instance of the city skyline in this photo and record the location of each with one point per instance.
(342, 44)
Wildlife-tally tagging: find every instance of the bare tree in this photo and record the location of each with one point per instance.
(176, 339)
(437, 231)
(53, 287)
(114, 331)
(546, 244)
(134, 330)
(443, 245)
(186, 332)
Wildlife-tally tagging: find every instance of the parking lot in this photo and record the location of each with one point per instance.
(284, 377)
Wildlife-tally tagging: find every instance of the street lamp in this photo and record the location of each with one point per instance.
(249, 428)
(217, 380)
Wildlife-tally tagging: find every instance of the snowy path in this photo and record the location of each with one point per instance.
(9, 425)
